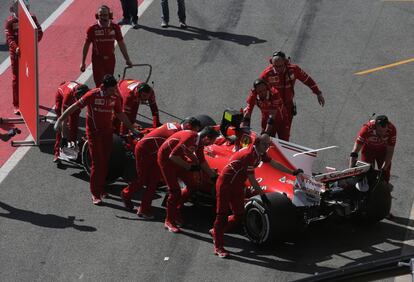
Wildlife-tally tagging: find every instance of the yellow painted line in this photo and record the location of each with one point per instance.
(384, 67)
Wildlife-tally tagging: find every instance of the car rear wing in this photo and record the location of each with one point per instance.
(360, 168)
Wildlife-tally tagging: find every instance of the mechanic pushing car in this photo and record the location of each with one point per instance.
(183, 152)
(148, 171)
(68, 93)
(101, 103)
(230, 187)
(282, 75)
(376, 141)
(12, 39)
(134, 93)
(275, 118)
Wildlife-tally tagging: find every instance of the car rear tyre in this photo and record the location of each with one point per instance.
(270, 218)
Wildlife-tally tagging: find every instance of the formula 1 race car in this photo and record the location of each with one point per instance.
(288, 205)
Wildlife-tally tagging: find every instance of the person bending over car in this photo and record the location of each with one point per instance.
(148, 171)
(180, 154)
(68, 93)
(134, 93)
(282, 75)
(101, 103)
(230, 187)
(376, 141)
(275, 118)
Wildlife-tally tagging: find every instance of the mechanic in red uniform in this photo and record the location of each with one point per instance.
(183, 152)
(102, 36)
(134, 93)
(68, 93)
(230, 185)
(275, 118)
(102, 102)
(282, 75)
(376, 141)
(12, 39)
(148, 171)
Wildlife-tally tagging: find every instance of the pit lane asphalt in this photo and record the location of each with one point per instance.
(51, 232)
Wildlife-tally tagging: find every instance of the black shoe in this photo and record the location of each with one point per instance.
(135, 26)
(124, 22)
(164, 24)
(183, 25)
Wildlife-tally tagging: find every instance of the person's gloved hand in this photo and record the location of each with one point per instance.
(136, 133)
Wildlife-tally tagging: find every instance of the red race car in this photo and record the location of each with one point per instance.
(288, 205)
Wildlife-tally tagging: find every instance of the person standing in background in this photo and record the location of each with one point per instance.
(12, 32)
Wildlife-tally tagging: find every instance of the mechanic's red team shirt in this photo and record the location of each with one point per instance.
(285, 82)
(65, 96)
(185, 144)
(244, 162)
(131, 100)
(153, 140)
(271, 104)
(12, 32)
(103, 39)
(100, 110)
(371, 141)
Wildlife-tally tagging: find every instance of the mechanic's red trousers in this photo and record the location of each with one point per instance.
(279, 127)
(100, 147)
(148, 174)
(102, 65)
(228, 196)
(170, 172)
(73, 122)
(15, 78)
(378, 156)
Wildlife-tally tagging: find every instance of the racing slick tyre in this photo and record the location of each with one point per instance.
(270, 218)
(378, 203)
(205, 120)
(116, 163)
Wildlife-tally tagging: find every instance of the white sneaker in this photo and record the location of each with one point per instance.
(68, 154)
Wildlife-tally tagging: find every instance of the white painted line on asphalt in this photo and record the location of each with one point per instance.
(48, 22)
(21, 151)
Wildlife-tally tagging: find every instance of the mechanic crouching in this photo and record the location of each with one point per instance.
(230, 188)
(134, 93)
(178, 155)
(275, 118)
(376, 141)
(101, 103)
(148, 171)
(68, 93)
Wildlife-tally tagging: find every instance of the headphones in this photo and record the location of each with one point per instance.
(111, 15)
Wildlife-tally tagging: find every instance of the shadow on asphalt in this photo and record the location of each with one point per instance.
(43, 220)
(317, 249)
(195, 33)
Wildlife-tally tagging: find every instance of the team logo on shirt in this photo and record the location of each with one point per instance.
(99, 102)
(112, 32)
(273, 79)
(99, 32)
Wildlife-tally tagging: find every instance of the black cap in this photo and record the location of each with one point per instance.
(143, 87)
(81, 90)
(381, 120)
(258, 82)
(279, 54)
(109, 81)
